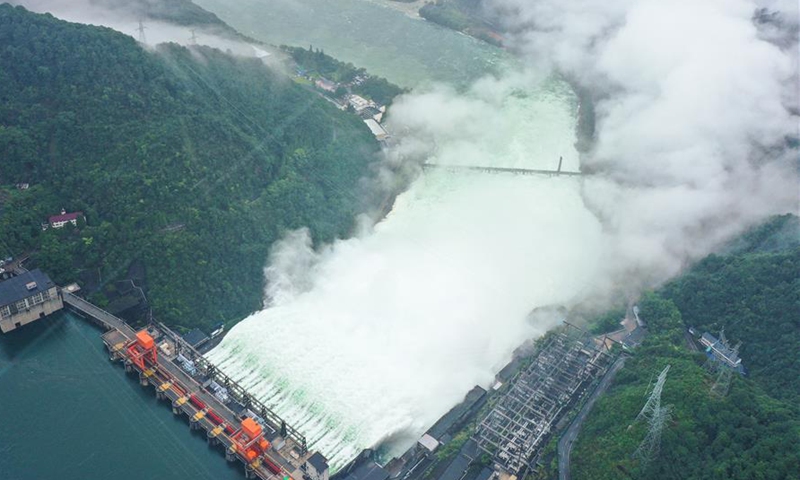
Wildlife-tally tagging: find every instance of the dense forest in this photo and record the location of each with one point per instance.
(187, 164)
(753, 292)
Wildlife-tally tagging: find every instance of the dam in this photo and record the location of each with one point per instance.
(248, 432)
(390, 328)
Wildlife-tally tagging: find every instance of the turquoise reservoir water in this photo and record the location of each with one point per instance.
(386, 42)
(66, 413)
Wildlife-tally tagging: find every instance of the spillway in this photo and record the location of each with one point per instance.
(369, 340)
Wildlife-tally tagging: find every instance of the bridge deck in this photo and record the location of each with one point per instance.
(514, 171)
(110, 322)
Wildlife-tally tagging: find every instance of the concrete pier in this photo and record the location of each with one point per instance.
(211, 401)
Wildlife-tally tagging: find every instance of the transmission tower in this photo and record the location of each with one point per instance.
(723, 382)
(193, 38)
(648, 449)
(653, 404)
(141, 32)
(656, 417)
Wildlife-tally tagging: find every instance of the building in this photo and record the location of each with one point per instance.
(721, 350)
(428, 442)
(368, 471)
(377, 129)
(195, 338)
(58, 221)
(359, 103)
(217, 330)
(327, 85)
(316, 467)
(27, 298)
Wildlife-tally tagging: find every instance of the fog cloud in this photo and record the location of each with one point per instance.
(693, 114)
(124, 17)
(693, 103)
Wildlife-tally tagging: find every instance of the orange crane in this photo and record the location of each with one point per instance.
(142, 349)
(249, 441)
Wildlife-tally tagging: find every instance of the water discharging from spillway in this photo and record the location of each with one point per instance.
(372, 339)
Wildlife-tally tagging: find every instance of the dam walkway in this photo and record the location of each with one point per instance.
(98, 315)
(247, 430)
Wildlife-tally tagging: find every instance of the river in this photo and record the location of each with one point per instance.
(408, 51)
(369, 341)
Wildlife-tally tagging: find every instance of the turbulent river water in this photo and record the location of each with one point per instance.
(368, 341)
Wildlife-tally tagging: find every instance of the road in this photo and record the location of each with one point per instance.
(690, 341)
(568, 439)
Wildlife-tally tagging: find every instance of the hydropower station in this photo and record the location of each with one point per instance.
(390, 328)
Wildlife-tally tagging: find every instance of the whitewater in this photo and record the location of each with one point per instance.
(368, 341)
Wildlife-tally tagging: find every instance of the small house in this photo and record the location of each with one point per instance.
(59, 221)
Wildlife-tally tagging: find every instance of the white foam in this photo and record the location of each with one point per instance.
(389, 330)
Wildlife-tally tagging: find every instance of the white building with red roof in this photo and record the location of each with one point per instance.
(58, 221)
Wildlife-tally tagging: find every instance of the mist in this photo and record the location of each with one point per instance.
(694, 122)
(368, 340)
(125, 18)
(388, 330)
(693, 144)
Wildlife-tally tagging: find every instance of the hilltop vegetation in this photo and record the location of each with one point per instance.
(317, 63)
(177, 12)
(188, 164)
(464, 16)
(753, 432)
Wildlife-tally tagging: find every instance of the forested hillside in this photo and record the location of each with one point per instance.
(468, 16)
(753, 292)
(175, 12)
(187, 164)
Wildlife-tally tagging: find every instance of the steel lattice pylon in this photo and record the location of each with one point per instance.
(656, 417)
(654, 402)
(651, 444)
(723, 381)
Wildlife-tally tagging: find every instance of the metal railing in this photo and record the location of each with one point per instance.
(235, 391)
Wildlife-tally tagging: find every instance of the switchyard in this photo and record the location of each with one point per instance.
(500, 433)
(247, 430)
(518, 427)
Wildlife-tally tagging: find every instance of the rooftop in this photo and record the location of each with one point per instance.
(375, 127)
(65, 217)
(457, 413)
(368, 471)
(195, 337)
(16, 288)
(319, 462)
(720, 348)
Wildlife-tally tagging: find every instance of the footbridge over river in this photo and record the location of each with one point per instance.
(508, 170)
